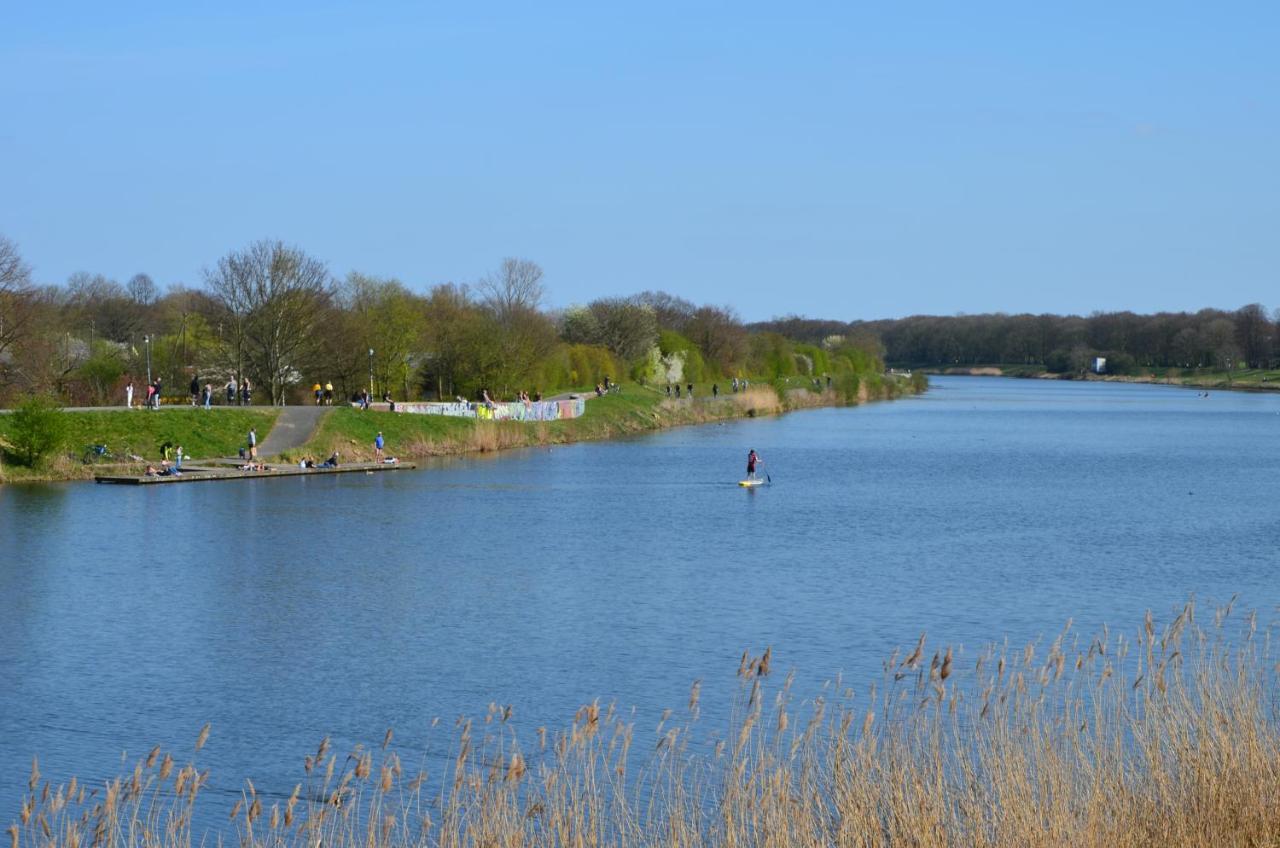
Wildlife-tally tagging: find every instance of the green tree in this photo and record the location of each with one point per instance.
(391, 324)
(525, 335)
(38, 429)
(100, 372)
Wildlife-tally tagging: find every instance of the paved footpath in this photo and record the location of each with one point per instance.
(293, 427)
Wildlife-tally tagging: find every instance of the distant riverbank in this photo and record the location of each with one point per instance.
(135, 438)
(1252, 380)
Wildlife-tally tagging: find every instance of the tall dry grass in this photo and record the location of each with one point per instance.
(1165, 737)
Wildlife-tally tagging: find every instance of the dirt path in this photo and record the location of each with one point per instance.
(293, 427)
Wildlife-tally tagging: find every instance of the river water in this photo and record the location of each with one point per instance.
(284, 610)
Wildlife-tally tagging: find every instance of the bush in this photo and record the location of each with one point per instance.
(37, 430)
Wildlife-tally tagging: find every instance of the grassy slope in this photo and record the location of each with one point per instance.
(201, 433)
(636, 410)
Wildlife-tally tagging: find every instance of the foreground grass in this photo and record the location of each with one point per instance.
(202, 434)
(636, 410)
(1166, 738)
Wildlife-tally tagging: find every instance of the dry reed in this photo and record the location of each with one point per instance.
(1166, 738)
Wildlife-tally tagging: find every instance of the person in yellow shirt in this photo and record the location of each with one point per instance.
(317, 391)
(328, 393)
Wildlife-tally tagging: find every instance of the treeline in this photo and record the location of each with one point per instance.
(1210, 338)
(274, 314)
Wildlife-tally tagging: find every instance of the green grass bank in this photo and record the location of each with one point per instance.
(202, 434)
(636, 410)
(221, 432)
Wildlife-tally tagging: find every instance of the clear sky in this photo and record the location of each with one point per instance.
(839, 160)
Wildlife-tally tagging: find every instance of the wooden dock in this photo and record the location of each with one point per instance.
(230, 469)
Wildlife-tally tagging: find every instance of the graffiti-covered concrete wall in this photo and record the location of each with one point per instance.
(545, 410)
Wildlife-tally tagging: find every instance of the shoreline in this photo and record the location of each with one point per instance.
(635, 411)
(412, 437)
(1217, 380)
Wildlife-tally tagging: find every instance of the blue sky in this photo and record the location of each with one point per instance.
(837, 160)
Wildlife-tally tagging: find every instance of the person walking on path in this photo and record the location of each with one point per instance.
(378, 444)
(253, 443)
(151, 390)
(328, 393)
(207, 396)
(195, 389)
(752, 460)
(319, 393)
(231, 391)
(128, 395)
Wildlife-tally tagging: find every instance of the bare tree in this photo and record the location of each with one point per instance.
(143, 289)
(515, 288)
(1253, 335)
(274, 297)
(15, 281)
(627, 328)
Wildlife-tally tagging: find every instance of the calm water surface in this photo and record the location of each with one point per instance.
(284, 610)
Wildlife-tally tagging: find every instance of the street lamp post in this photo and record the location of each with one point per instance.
(370, 375)
(146, 341)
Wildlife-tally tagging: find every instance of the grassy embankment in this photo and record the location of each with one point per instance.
(635, 410)
(1253, 379)
(1168, 737)
(202, 434)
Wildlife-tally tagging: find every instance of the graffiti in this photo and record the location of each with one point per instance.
(545, 410)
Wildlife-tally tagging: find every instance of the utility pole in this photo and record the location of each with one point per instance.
(146, 340)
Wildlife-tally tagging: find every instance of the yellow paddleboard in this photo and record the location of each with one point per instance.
(750, 483)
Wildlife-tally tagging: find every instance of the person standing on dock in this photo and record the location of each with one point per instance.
(378, 444)
(253, 443)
